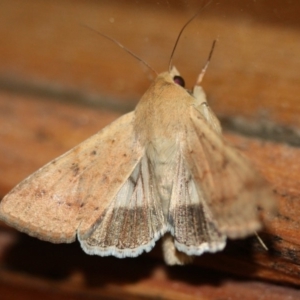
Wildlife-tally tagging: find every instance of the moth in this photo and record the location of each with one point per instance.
(162, 170)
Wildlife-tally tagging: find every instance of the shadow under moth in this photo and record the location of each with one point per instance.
(162, 170)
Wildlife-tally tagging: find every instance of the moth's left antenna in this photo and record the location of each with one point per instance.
(123, 47)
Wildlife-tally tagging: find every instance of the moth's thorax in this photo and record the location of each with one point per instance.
(160, 120)
(163, 110)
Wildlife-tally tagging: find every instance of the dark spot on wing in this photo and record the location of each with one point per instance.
(75, 168)
(94, 152)
(104, 178)
(40, 193)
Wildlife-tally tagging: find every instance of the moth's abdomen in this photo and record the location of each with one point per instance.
(162, 154)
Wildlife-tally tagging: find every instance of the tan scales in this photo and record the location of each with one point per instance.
(163, 169)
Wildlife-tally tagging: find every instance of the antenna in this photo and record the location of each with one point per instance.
(123, 47)
(203, 71)
(181, 31)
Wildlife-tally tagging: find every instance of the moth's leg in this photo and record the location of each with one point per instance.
(171, 255)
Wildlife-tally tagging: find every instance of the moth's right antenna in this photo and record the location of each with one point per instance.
(203, 71)
(181, 31)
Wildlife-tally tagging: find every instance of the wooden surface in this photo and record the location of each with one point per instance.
(60, 83)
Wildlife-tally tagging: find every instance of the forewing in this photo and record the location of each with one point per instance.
(69, 194)
(190, 221)
(229, 185)
(132, 222)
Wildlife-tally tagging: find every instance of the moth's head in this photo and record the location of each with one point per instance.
(174, 77)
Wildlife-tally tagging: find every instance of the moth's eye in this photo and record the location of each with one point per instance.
(179, 80)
